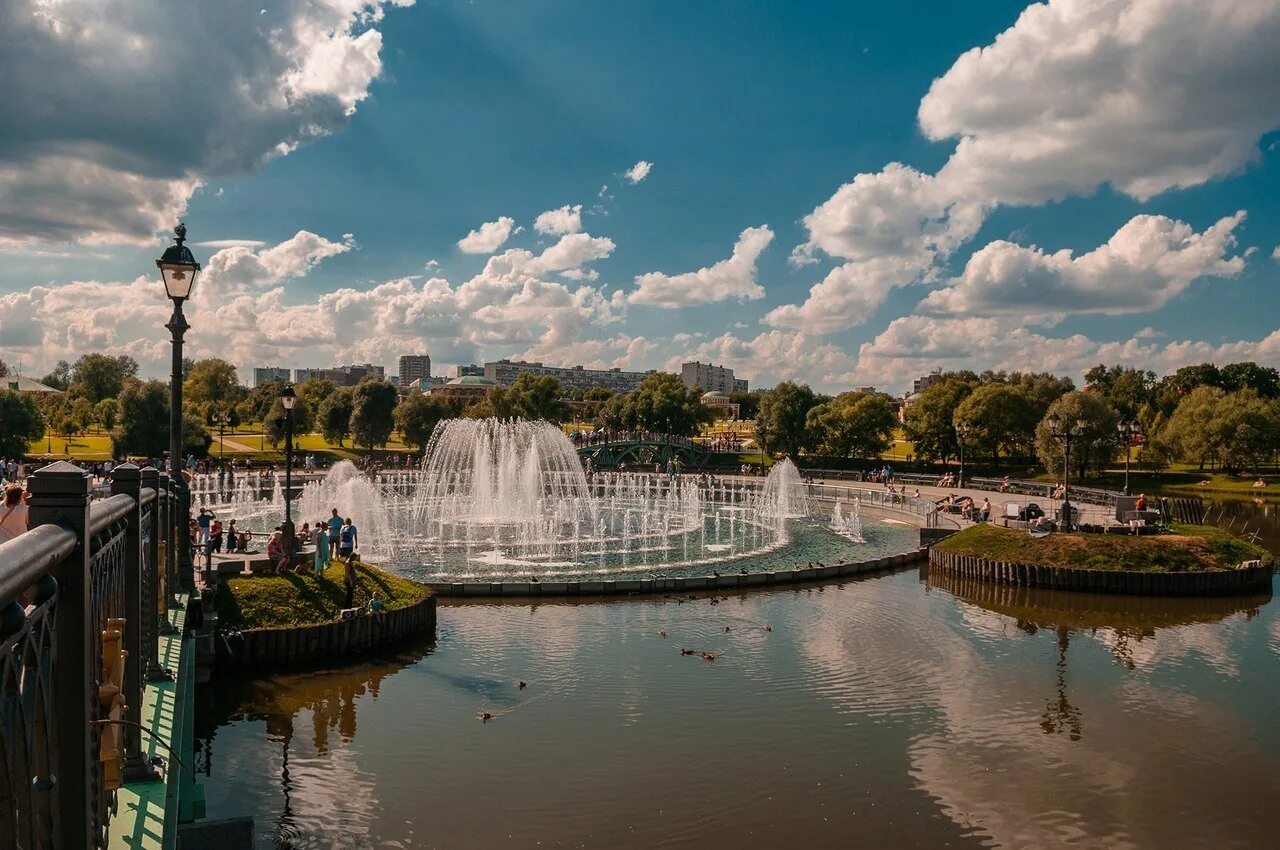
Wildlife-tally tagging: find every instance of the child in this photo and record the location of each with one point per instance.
(376, 608)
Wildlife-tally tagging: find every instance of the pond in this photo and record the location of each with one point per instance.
(884, 711)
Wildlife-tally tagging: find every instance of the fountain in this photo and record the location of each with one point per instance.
(500, 499)
(847, 525)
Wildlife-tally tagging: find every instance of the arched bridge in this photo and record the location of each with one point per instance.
(641, 449)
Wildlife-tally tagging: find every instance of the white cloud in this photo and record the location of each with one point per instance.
(847, 296)
(775, 356)
(566, 219)
(1275, 255)
(488, 237)
(731, 278)
(240, 268)
(230, 243)
(1150, 260)
(84, 158)
(636, 173)
(1146, 95)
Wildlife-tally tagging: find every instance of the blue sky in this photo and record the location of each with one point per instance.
(407, 125)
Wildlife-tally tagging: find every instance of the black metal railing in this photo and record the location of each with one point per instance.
(89, 573)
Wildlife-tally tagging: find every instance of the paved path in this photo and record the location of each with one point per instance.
(1089, 513)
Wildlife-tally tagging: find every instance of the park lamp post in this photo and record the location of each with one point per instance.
(178, 269)
(220, 419)
(761, 431)
(962, 434)
(1128, 429)
(1066, 432)
(287, 399)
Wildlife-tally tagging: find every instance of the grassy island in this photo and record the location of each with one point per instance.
(1189, 548)
(305, 599)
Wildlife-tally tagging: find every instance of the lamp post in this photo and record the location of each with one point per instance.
(178, 269)
(761, 430)
(1066, 432)
(1128, 429)
(220, 419)
(962, 434)
(287, 399)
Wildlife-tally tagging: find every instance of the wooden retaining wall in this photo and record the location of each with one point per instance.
(1249, 577)
(326, 641)
(627, 587)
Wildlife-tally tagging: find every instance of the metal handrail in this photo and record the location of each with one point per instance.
(26, 559)
(104, 512)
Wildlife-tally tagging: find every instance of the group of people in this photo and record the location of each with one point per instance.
(333, 537)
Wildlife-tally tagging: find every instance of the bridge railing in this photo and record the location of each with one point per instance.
(80, 591)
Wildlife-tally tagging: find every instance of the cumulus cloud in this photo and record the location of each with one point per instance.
(1148, 261)
(488, 237)
(636, 173)
(1275, 255)
(1146, 95)
(566, 219)
(84, 158)
(732, 278)
(915, 345)
(775, 356)
(847, 296)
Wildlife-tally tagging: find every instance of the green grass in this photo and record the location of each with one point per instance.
(1188, 548)
(304, 599)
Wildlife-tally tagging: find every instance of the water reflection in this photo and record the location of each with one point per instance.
(893, 711)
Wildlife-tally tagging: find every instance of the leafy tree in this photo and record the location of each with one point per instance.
(142, 425)
(783, 417)
(372, 413)
(1237, 430)
(1263, 380)
(1093, 447)
(273, 426)
(4, 369)
(1171, 389)
(59, 378)
(1126, 389)
(855, 424)
(20, 423)
(262, 399)
(536, 397)
(417, 417)
(314, 391)
(929, 422)
(334, 419)
(664, 404)
(1000, 418)
(748, 404)
(596, 397)
(105, 412)
(80, 416)
(98, 376)
(213, 385)
(619, 413)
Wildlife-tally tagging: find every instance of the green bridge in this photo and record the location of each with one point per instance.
(643, 449)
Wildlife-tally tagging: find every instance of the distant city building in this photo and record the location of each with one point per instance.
(572, 378)
(720, 403)
(867, 390)
(413, 367)
(465, 388)
(471, 370)
(342, 376)
(709, 377)
(923, 382)
(265, 374)
(423, 385)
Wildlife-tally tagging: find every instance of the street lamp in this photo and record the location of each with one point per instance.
(178, 270)
(1066, 432)
(287, 398)
(761, 430)
(962, 433)
(220, 419)
(1128, 429)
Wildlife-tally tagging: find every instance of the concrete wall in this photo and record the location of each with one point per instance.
(1249, 577)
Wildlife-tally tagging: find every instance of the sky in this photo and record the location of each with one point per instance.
(836, 193)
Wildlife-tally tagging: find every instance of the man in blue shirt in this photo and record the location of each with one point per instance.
(347, 541)
(335, 528)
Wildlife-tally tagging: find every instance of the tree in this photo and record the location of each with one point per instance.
(105, 412)
(20, 423)
(619, 413)
(334, 419)
(1000, 417)
(314, 391)
(99, 376)
(213, 384)
(536, 397)
(596, 397)
(262, 399)
(273, 426)
(4, 369)
(929, 422)
(1263, 380)
(1237, 429)
(664, 404)
(1093, 447)
(142, 426)
(80, 416)
(59, 378)
(748, 404)
(855, 424)
(417, 417)
(1171, 389)
(372, 413)
(1126, 389)
(782, 417)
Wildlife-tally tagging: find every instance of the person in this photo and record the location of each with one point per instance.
(376, 608)
(203, 520)
(304, 536)
(335, 529)
(347, 542)
(1259, 483)
(322, 549)
(1139, 505)
(13, 516)
(243, 544)
(986, 510)
(215, 536)
(349, 581)
(233, 539)
(275, 551)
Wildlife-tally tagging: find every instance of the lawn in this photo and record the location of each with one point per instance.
(1188, 548)
(304, 599)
